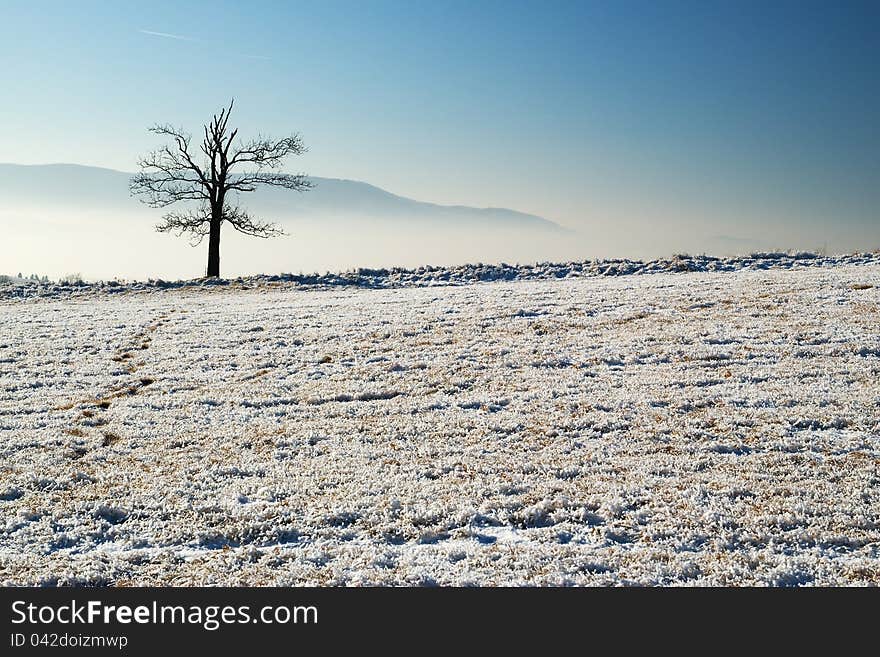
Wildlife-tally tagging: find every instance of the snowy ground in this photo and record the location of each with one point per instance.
(690, 428)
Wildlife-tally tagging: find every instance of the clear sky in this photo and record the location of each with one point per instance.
(735, 121)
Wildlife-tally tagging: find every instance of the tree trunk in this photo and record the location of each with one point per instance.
(214, 249)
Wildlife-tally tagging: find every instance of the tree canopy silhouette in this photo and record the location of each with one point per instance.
(214, 176)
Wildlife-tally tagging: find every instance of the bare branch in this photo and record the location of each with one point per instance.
(244, 223)
(267, 153)
(166, 186)
(195, 222)
(248, 182)
(169, 175)
(198, 223)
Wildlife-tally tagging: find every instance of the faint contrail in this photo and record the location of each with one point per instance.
(178, 37)
(166, 35)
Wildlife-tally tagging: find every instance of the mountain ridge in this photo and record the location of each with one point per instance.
(330, 196)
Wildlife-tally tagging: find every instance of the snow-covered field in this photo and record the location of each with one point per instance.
(675, 428)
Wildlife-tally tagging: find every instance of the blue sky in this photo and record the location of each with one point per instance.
(656, 121)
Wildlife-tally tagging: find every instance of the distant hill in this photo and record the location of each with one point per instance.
(82, 187)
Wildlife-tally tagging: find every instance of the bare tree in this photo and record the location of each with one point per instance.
(177, 173)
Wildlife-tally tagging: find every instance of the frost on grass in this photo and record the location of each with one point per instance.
(681, 428)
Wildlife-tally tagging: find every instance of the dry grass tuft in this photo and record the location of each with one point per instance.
(110, 438)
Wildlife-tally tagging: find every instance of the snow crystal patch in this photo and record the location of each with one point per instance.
(266, 403)
(789, 576)
(818, 425)
(620, 536)
(361, 397)
(491, 406)
(111, 514)
(431, 536)
(502, 534)
(727, 448)
(10, 494)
